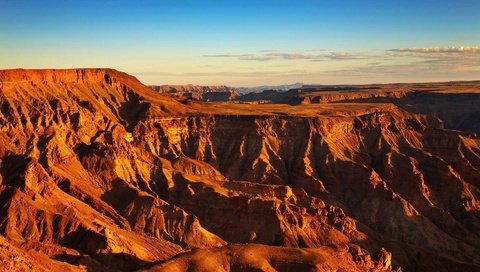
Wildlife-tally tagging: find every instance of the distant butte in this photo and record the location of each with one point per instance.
(99, 172)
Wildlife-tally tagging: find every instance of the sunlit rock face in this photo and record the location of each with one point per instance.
(101, 173)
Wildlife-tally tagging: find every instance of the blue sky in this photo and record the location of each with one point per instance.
(246, 43)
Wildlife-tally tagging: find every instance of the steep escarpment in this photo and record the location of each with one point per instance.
(62, 187)
(103, 173)
(455, 103)
(459, 111)
(390, 171)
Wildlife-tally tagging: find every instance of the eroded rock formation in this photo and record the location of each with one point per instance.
(101, 172)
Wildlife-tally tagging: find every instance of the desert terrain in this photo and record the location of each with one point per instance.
(99, 172)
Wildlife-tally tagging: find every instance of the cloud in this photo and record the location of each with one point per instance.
(414, 62)
(267, 55)
(431, 62)
(294, 56)
(451, 49)
(453, 52)
(345, 56)
(445, 66)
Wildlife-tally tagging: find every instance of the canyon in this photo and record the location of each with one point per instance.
(99, 172)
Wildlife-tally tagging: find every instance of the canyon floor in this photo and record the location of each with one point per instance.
(99, 172)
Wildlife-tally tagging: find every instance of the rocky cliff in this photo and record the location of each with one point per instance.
(455, 103)
(101, 173)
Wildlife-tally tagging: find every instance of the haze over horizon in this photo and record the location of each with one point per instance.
(248, 43)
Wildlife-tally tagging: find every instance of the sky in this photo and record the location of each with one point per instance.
(248, 43)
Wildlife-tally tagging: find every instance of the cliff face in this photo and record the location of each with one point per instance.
(100, 171)
(455, 103)
(390, 171)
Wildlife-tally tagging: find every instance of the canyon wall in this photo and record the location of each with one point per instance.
(101, 172)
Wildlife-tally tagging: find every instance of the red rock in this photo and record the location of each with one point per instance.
(98, 170)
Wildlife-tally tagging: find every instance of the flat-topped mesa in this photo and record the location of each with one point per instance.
(109, 91)
(88, 75)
